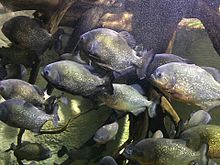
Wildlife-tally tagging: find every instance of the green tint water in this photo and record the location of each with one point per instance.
(194, 45)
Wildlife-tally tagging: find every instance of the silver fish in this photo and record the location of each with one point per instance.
(74, 78)
(108, 49)
(126, 98)
(187, 83)
(106, 133)
(163, 152)
(19, 89)
(21, 114)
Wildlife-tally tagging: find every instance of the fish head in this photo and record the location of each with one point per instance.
(163, 77)
(132, 152)
(192, 138)
(51, 73)
(108, 160)
(7, 27)
(46, 153)
(101, 136)
(5, 88)
(98, 42)
(89, 44)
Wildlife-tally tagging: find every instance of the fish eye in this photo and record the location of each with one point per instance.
(2, 88)
(82, 38)
(159, 74)
(46, 72)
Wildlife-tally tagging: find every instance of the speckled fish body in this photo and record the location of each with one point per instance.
(110, 50)
(106, 133)
(125, 98)
(188, 83)
(19, 89)
(32, 151)
(161, 152)
(209, 134)
(161, 59)
(214, 72)
(21, 114)
(26, 33)
(74, 78)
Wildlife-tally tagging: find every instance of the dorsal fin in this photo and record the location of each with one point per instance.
(128, 38)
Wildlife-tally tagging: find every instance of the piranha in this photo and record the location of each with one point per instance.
(19, 89)
(161, 151)
(30, 151)
(21, 114)
(74, 78)
(197, 118)
(187, 83)
(128, 99)
(161, 59)
(209, 134)
(110, 50)
(28, 34)
(106, 133)
(108, 160)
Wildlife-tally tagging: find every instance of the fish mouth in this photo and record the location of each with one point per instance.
(128, 151)
(158, 83)
(155, 81)
(152, 77)
(127, 154)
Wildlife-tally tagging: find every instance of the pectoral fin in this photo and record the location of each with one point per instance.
(128, 38)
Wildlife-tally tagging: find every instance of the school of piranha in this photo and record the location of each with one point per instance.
(110, 69)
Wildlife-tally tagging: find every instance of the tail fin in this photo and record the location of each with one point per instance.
(153, 106)
(12, 147)
(108, 83)
(147, 58)
(203, 151)
(57, 42)
(51, 107)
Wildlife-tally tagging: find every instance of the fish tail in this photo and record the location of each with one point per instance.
(203, 154)
(109, 78)
(12, 147)
(147, 58)
(153, 106)
(51, 107)
(57, 42)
